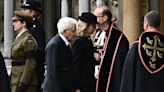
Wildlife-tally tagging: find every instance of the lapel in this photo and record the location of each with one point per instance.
(20, 38)
(61, 41)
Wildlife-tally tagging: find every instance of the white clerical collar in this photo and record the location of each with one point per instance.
(64, 39)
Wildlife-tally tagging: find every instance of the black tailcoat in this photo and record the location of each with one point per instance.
(60, 67)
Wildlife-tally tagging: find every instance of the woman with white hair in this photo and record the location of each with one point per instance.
(59, 60)
(83, 53)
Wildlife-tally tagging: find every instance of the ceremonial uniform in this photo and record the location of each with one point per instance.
(113, 47)
(38, 32)
(143, 70)
(23, 62)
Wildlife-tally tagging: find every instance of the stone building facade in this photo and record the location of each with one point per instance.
(128, 15)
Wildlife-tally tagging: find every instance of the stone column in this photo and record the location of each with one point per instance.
(8, 32)
(24, 1)
(83, 6)
(99, 3)
(154, 5)
(64, 8)
(132, 19)
(47, 19)
(162, 15)
(120, 19)
(51, 14)
(8, 28)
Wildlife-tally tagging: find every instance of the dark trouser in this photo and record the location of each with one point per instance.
(88, 89)
(67, 89)
(40, 76)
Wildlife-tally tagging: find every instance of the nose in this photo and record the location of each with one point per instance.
(13, 23)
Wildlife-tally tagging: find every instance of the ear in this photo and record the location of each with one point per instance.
(146, 25)
(105, 18)
(24, 23)
(32, 13)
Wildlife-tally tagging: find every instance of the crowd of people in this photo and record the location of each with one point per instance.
(88, 54)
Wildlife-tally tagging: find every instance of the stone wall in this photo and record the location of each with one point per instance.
(75, 7)
(162, 15)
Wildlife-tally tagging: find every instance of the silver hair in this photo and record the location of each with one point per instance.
(153, 19)
(65, 23)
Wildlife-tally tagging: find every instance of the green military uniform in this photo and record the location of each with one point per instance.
(23, 62)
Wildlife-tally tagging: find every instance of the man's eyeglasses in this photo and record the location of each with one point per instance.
(99, 16)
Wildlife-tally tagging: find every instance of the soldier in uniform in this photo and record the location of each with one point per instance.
(4, 78)
(143, 70)
(23, 52)
(33, 9)
(112, 47)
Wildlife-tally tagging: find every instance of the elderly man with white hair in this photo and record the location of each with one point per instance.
(59, 60)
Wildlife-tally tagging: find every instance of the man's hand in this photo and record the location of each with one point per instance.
(97, 56)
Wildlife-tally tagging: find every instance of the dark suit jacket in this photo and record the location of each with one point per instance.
(60, 67)
(4, 78)
(83, 53)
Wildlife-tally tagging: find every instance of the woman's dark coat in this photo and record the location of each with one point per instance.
(83, 53)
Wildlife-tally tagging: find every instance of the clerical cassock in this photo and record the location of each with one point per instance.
(143, 69)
